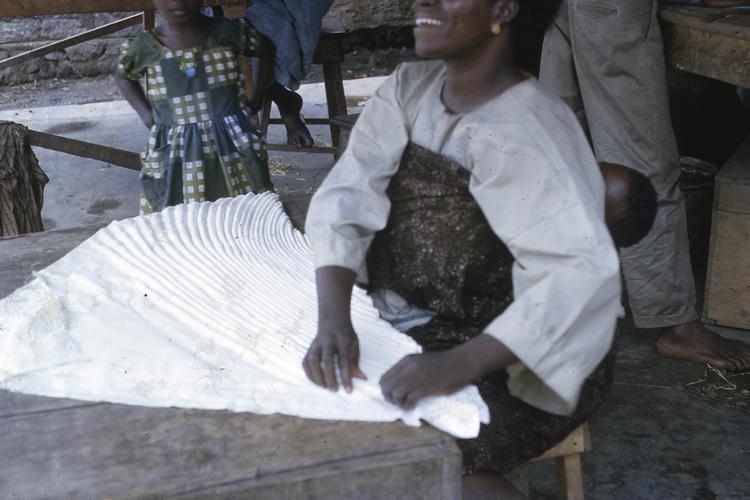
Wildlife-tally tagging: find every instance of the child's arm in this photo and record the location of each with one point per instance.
(133, 92)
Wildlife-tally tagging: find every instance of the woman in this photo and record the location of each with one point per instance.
(470, 203)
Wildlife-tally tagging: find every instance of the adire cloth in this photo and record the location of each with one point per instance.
(203, 305)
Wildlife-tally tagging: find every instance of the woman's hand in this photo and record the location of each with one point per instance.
(418, 376)
(334, 347)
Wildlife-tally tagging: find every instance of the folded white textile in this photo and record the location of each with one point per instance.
(204, 305)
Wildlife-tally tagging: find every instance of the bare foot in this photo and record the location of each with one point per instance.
(694, 342)
(290, 107)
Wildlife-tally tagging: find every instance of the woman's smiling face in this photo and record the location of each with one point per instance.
(447, 28)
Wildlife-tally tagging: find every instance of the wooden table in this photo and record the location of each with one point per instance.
(718, 49)
(60, 448)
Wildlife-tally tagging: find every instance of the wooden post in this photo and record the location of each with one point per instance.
(569, 477)
(149, 19)
(335, 98)
(22, 193)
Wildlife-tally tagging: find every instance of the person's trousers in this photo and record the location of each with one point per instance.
(606, 60)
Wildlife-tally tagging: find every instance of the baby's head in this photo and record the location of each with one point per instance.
(631, 204)
(178, 11)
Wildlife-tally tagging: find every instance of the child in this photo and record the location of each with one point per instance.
(202, 145)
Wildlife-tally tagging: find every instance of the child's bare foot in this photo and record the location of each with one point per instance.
(290, 107)
(694, 342)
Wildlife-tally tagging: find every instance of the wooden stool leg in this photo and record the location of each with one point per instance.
(265, 115)
(335, 98)
(569, 477)
(519, 478)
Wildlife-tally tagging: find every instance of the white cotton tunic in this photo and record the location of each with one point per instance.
(537, 182)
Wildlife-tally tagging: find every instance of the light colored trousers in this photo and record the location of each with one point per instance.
(606, 60)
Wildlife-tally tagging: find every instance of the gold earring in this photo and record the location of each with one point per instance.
(496, 28)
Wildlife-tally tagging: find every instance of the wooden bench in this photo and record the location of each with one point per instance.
(330, 54)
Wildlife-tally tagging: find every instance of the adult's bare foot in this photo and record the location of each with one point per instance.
(694, 342)
(290, 108)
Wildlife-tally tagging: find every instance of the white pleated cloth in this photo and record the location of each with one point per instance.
(204, 305)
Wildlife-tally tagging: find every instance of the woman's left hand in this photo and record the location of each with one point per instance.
(429, 374)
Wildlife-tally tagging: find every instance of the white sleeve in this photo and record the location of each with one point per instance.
(351, 205)
(566, 279)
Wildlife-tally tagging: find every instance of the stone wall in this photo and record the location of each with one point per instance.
(91, 58)
(368, 19)
(368, 14)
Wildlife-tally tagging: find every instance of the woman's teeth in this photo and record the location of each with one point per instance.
(424, 21)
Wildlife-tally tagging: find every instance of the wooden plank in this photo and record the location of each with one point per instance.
(149, 19)
(697, 18)
(112, 27)
(22, 255)
(132, 452)
(16, 405)
(569, 477)
(107, 154)
(329, 51)
(708, 53)
(308, 121)
(25, 8)
(735, 173)
(728, 279)
(335, 98)
(294, 149)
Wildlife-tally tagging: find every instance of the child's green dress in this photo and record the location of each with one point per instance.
(203, 145)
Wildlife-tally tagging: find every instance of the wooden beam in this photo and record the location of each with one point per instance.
(26, 8)
(575, 443)
(709, 54)
(294, 149)
(74, 147)
(72, 40)
(149, 20)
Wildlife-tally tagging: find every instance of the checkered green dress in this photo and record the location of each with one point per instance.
(202, 146)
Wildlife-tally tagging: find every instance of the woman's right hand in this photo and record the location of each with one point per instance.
(335, 346)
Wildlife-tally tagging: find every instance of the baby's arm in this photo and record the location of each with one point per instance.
(133, 93)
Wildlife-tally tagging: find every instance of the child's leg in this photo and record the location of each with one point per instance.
(290, 107)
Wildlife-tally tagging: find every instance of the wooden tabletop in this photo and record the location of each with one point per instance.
(61, 448)
(698, 43)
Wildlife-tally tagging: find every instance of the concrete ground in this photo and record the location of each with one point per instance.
(670, 430)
